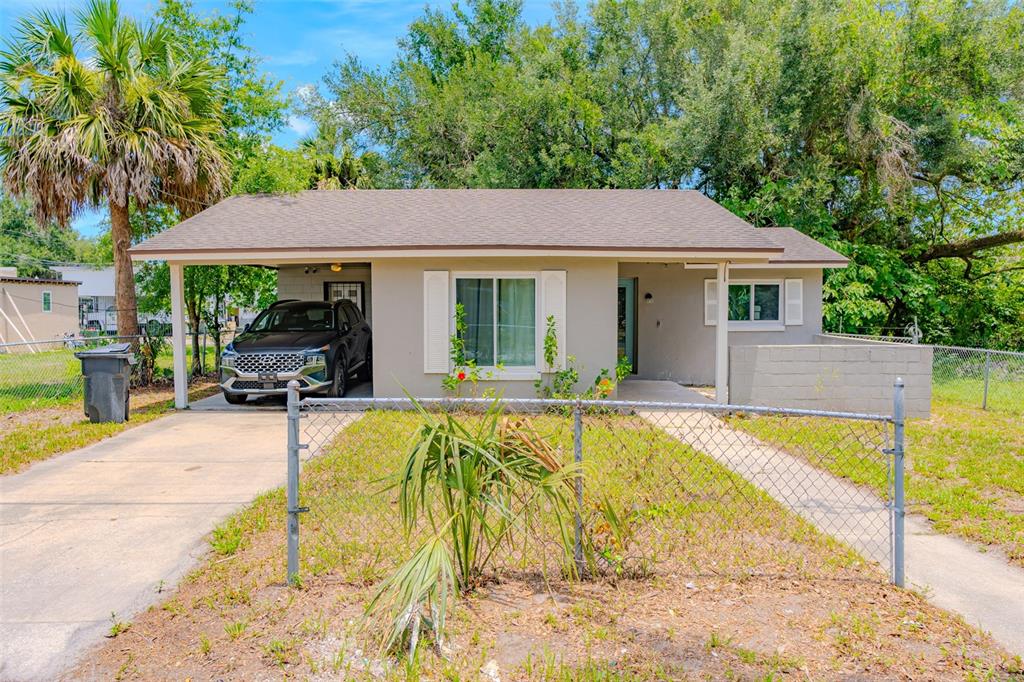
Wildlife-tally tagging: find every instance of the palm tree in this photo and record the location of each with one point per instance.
(113, 112)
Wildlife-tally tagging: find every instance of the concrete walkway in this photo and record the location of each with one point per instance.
(652, 390)
(104, 529)
(983, 588)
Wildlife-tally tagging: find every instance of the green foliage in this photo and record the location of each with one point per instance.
(895, 134)
(34, 249)
(464, 372)
(251, 101)
(472, 482)
(560, 383)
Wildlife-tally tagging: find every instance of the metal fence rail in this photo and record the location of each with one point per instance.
(874, 337)
(721, 489)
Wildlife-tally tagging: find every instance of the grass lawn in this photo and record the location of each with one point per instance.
(716, 581)
(965, 469)
(1003, 396)
(53, 378)
(31, 436)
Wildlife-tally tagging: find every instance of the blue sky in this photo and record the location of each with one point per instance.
(298, 39)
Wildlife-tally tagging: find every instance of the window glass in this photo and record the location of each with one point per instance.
(754, 302)
(349, 291)
(766, 302)
(517, 320)
(501, 320)
(739, 302)
(47, 302)
(294, 320)
(477, 299)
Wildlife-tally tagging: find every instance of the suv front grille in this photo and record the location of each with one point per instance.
(240, 385)
(256, 363)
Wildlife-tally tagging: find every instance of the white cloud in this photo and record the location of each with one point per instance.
(302, 126)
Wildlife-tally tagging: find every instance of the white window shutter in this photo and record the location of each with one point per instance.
(794, 301)
(710, 303)
(552, 297)
(436, 322)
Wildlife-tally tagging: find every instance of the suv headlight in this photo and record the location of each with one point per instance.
(227, 358)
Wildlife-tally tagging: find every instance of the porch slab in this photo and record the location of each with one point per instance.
(649, 390)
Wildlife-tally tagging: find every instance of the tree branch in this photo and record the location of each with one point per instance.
(994, 272)
(968, 248)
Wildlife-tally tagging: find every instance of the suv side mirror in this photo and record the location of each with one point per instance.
(245, 328)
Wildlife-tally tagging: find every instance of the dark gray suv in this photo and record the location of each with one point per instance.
(319, 344)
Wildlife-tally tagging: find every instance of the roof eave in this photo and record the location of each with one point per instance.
(320, 255)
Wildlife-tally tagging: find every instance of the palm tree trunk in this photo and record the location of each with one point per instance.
(124, 276)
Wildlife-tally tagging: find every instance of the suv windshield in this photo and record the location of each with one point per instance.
(294, 319)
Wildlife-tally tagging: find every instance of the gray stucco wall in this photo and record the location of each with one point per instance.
(591, 287)
(295, 282)
(672, 340)
(851, 378)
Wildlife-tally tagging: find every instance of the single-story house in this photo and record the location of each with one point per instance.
(33, 309)
(667, 278)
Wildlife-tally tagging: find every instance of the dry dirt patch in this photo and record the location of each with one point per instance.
(718, 608)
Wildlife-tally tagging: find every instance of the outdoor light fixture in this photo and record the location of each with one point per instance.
(335, 267)
(648, 297)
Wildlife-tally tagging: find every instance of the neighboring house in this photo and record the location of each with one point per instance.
(668, 278)
(95, 295)
(36, 309)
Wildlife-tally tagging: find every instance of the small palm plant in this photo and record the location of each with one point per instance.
(472, 483)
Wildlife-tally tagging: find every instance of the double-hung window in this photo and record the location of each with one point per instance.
(500, 319)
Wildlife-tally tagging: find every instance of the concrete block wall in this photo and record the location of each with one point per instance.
(852, 378)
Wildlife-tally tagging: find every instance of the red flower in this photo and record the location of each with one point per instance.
(461, 376)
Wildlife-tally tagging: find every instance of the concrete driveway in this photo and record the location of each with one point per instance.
(104, 529)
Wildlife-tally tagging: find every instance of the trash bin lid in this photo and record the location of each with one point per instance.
(112, 350)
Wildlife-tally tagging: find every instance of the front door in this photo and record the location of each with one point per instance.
(627, 320)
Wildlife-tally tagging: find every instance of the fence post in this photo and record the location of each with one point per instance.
(899, 510)
(988, 368)
(293, 481)
(577, 447)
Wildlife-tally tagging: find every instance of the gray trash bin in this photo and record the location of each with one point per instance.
(107, 371)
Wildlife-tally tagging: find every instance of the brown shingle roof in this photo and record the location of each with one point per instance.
(437, 218)
(800, 248)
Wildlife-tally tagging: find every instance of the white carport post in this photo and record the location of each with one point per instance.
(722, 334)
(178, 334)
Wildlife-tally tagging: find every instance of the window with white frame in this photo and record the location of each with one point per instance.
(755, 301)
(47, 301)
(500, 319)
(757, 305)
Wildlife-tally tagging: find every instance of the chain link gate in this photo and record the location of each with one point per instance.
(662, 487)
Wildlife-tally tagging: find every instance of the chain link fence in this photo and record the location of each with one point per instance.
(44, 374)
(653, 488)
(990, 379)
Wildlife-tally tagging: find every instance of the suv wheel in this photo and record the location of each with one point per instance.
(366, 371)
(235, 398)
(339, 383)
